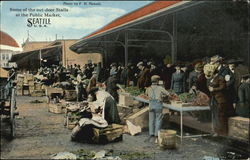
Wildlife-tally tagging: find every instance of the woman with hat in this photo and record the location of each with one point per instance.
(155, 93)
(112, 87)
(197, 79)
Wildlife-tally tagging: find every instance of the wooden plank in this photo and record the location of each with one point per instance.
(140, 118)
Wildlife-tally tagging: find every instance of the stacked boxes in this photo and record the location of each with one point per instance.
(19, 85)
(125, 99)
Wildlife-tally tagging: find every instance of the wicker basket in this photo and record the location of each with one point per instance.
(167, 139)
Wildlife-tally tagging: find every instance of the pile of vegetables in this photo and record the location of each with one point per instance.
(134, 91)
(187, 97)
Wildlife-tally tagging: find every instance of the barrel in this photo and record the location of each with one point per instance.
(167, 139)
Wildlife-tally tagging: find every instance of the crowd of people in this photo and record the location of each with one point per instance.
(227, 88)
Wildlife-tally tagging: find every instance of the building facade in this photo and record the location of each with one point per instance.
(8, 48)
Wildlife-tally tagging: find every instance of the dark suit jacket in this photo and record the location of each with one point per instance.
(219, 85)
(144, 79)
(178, 82)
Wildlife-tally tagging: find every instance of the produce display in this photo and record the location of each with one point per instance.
(134, 91)
(201, 99)
(187, 97)
(144, 96)
(173, 96)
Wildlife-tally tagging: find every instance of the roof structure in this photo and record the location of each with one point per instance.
(7, 40)
(138, 14)
(140, 28)
(8, 43)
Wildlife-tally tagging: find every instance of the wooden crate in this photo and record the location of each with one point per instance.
(71, 121)
(140, 118)
(55, 108)
(19, 91)
(38, 86)
(36, 93)
(238, 127)
(70, 95)
(112, 133)
(50, 90)
(125, 99)
(29, 77)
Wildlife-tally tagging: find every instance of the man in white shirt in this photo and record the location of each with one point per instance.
(155, 93)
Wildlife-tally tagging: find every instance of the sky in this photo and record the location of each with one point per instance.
(77, 19)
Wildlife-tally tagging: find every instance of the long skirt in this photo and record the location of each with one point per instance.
(220, 114)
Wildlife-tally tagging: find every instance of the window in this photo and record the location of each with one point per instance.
(3, 56)
(7, 56)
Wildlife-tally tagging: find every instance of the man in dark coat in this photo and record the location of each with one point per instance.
(178, 81)
(230, 77)
(243, 106)
(167, 75)
(144, 78)
(221, 108)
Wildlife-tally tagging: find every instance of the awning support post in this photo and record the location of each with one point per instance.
(126, 48)
(174, 43)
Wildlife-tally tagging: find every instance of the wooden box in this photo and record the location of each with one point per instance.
(140, 118)
(112, 133)
(70, 95)
(71, 121)
(19, 91)
(36, 93)
(50, 90)
(55, 108)
(238, 127)
(125, 99)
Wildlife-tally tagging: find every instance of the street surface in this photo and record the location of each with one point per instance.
(40, 134)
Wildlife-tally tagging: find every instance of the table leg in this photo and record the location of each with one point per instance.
(181, 125)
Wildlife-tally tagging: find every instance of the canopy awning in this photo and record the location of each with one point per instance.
(32, 58)
(139, 28)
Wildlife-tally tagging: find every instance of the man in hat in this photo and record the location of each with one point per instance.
(217, 60)
(178, 82)
(155, 93)
(92, 81)
(230, 78)
(243, 106)
(167, 72)
(144, 76)
(112, 87)
(113, 68)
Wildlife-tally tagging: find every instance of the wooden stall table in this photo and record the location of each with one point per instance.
(181, 109)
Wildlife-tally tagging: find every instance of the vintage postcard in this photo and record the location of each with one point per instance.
(125, 80)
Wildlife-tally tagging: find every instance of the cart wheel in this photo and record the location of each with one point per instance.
(12, 114)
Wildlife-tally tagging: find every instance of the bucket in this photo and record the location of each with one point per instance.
(167, 139)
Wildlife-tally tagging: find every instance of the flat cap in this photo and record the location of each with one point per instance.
(155, 78)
